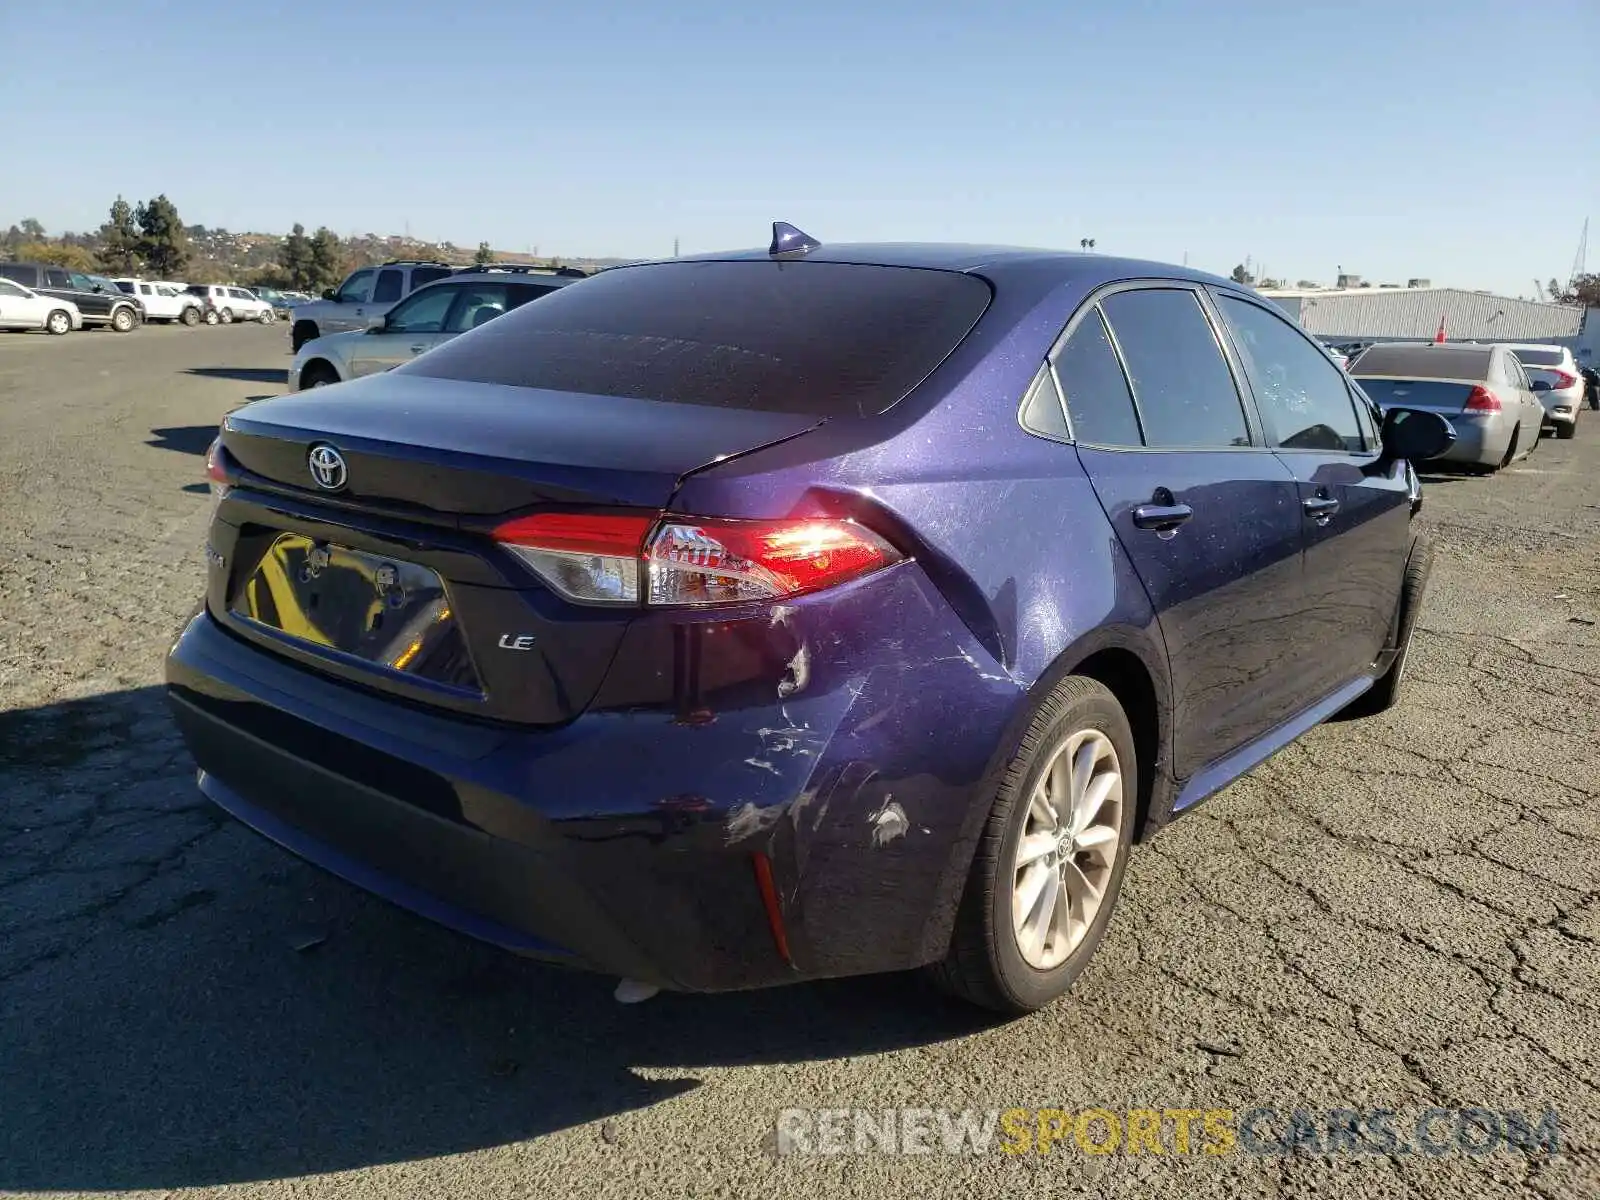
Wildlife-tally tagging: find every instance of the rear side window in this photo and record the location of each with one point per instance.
(1539, 358)
(388, 287)
(26, 275)
(128, 288)
(56, 277)
(521, 293)
(1301, 394)
(823, 338)
(1181, 382)
(422, 275)
(1425, 360)
(1096, 390)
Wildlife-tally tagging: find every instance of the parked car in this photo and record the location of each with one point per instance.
(1339, 357)
(99, 301)
(282, 304)
(428, 317)
(363, 296)
(1482, 389)
(1556, 379)
(22, 309)
(743, 619)
(161, 302)
(227, 303)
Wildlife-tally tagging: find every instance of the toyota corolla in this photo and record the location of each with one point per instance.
(799, 612)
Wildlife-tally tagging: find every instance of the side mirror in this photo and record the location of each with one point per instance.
(1541, 385)
(329, 294)
(1414, 435)
(377, 324)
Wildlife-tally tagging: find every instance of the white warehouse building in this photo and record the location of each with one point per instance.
(1370, 314)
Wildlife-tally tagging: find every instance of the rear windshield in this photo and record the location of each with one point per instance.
(1539, 358)
(833, 339)
(1424, 361)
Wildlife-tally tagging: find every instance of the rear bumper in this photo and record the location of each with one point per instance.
(625, 842)
(1561, 408)
(1480, 441)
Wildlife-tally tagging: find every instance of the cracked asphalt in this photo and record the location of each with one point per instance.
(1398, 913)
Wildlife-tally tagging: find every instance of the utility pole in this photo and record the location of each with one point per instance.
(674, 247)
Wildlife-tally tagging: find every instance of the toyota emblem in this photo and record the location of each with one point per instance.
(327, 467)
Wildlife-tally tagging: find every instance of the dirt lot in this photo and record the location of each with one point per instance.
(1400, 913)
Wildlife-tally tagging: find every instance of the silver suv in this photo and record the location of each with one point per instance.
(365, 295)
(434, 314)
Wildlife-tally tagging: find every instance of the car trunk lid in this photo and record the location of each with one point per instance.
(390, 579)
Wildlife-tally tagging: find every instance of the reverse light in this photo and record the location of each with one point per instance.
(1481, 399)
(677, 561)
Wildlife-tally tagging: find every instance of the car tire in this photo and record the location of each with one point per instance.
(988, 963)
(267, 317)
(1567, 430)
(191, 316)
(211, 316)
(1383, 694)
(226, 316)
(300, 333)
(122, 320)
(317, 374)
(59, 322)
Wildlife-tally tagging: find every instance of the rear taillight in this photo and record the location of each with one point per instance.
(1563, 380)
(675, 561)
(1481, 399)
(216, 473)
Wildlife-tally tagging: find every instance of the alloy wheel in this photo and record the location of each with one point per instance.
(1062, 866)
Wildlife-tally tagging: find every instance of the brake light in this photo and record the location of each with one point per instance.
(216, 473)
(1563, 380)
(676, 561)
(1481, 399)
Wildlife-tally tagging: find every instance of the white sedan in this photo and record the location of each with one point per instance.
(23, 308)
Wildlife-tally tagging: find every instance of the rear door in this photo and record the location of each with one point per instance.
(1355, 515)
(1209, 517)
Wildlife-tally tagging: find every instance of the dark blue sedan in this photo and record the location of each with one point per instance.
(764, 616)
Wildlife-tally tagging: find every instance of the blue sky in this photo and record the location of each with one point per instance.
(1459, 141)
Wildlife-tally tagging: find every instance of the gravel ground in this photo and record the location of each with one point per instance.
(1396, 913)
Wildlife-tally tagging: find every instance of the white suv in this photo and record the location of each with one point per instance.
(163, 301)
(1556, 380)
(225, 303)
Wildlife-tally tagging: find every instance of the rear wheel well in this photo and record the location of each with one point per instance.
(1130, 682)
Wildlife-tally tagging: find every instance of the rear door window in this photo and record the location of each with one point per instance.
(388, 286)
(422, 275)
(811, 337)
(1096, 390)
(56, 277)
(1301, 394)
(478, 304)
(1181, 383)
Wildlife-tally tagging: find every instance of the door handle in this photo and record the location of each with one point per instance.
(1320, 508)
(1163, 518)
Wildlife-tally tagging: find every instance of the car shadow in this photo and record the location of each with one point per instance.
(187, 1005)
(242, 374)
(185, 439)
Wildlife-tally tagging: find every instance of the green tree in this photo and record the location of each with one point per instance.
(61, 254)
(1583, 290)
(119, 241)
(32, 230)
(327, 259)
(295, 258)
(484, 256)
(162, 242)
(1239, 274)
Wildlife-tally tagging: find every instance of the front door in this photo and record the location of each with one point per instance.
(1207, 515)
(411, 327)
(1355, 512)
